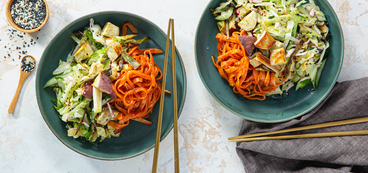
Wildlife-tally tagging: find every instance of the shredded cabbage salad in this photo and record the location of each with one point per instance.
(288, 22)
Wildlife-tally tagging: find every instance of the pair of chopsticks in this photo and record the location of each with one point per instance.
(258, 136)
(175, 104)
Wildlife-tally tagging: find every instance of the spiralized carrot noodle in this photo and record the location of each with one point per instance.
(137, 90)
(131, 27)
(234, 66)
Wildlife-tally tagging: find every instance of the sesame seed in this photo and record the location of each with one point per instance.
(28, 64)
(28, 14)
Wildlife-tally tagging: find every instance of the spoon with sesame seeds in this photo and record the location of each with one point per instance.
(28, 64)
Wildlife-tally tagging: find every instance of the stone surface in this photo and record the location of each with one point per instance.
(27, 144)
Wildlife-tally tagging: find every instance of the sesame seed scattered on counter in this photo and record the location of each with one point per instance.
(15, 48)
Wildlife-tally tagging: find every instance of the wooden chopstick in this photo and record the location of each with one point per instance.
(175, 102)
(315, 126)
(159, 122)
(310, 135)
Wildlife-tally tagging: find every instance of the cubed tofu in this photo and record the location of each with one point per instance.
(278, 57)
(104, 117)
(110, 30)
(114, 71)
(265, 41)
(265, 61)
(114, 50)
(266, 53)
(84, 52)
(255, 63)
(249, 22)
(109, 41)
(277, 45)
(95, 69)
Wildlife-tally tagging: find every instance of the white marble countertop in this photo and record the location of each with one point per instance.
(27, 144)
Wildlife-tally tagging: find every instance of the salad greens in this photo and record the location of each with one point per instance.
(288, 22)
(82, 93)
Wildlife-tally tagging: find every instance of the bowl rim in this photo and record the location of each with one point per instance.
(162, 136)
(279, 120)
(11, 22)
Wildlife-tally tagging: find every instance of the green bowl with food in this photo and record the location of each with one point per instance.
(99, 81)
(269, 61)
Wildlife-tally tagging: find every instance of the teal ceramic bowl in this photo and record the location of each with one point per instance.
(136, 138)
(270, 110)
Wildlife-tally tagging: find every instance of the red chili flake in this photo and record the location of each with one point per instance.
(67, 120)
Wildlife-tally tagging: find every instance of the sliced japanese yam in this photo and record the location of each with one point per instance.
(265, 61)
(249, 22)
(103, 83)
(248, 43)
(87, 91)
(278, 57)
(265, 41)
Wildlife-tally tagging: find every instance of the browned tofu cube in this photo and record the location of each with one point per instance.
(277, 45)
(265, 61)
(255, 63)
(114, 50)
(278, 57)
(265, 41)
(84, 52)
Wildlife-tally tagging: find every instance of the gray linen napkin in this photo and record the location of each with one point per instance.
(347, 100)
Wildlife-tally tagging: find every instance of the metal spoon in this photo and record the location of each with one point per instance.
(27, 66)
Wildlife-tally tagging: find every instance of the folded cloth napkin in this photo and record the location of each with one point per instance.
(347, 100)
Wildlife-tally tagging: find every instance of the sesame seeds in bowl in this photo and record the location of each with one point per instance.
(27, 15)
